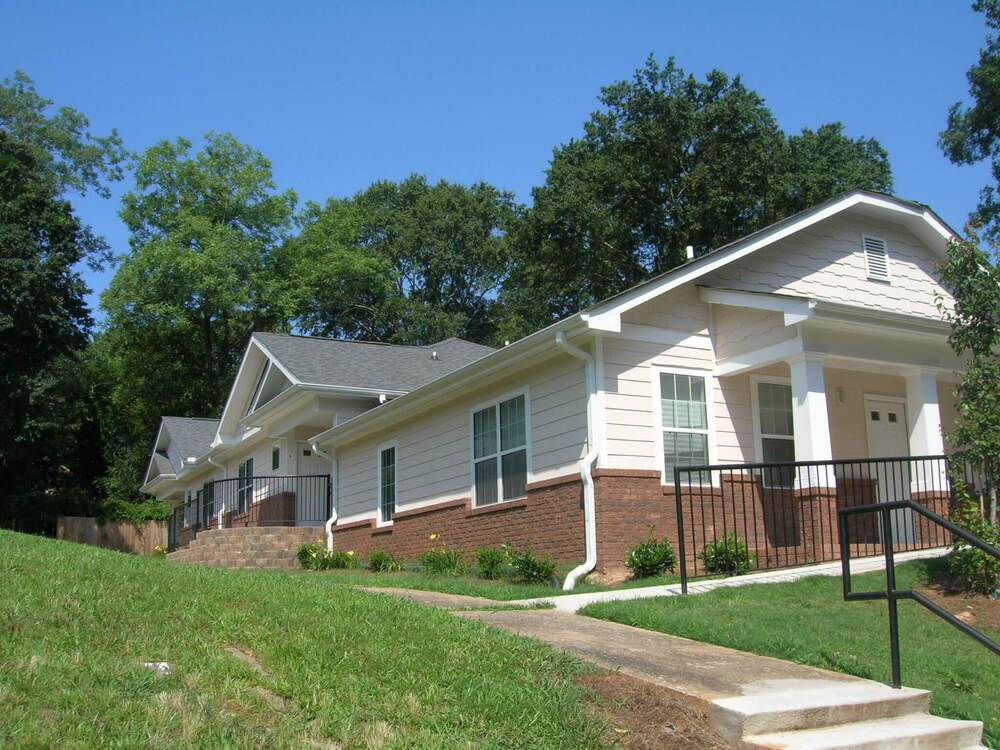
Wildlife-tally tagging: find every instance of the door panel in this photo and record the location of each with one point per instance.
(887, 438)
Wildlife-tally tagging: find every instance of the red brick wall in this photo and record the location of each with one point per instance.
(549, 520)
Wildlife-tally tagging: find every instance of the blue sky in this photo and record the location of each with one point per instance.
(338, 95)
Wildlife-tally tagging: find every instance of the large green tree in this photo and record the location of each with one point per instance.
(405, 262)
(973, 132)
(669, 161)
(200, 278)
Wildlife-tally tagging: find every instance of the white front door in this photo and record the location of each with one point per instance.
(887, 438)
(310, 499)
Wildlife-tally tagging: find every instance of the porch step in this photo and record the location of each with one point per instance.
(908, 732)
(248, 547)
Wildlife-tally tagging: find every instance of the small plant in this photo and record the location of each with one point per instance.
(339, 559)
(527, 568)
(440, 560)
(492, 562)
(316, 556)
(651, 557)
(727, 556)
(972, 569)
(160, 550)
(381, 561)
(309, 555)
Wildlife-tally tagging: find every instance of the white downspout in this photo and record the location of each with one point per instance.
(328, 526)
(225, 475)
(586, 464)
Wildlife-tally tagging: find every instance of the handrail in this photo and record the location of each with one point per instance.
(891, 594)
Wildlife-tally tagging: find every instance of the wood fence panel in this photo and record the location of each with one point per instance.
(123, 536)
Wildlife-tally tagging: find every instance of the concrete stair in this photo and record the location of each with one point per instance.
(259, 547)
(850, 715)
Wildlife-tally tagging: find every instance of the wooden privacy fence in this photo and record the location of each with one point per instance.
(124, 536)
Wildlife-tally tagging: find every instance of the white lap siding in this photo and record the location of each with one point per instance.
(433, 458)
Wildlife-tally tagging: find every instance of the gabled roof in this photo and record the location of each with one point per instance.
(191, 436)
(366, 365)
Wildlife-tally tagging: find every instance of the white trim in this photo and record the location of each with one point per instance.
(600, 420)
(710, 432)
(758, 435)
(654, 335)
(757, 358)
(887, 279)
(795, 310)
(525, 391)
(394, 444)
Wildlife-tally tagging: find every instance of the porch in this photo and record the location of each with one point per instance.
(255, 501)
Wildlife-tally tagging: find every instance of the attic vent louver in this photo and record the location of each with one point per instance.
(876, 258)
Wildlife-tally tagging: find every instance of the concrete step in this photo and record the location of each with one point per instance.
(917, 731)
(787, 705)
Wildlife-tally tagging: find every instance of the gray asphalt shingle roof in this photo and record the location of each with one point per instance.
(190, 436)
(362, 364)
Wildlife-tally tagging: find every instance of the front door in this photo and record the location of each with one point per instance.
(887, 438)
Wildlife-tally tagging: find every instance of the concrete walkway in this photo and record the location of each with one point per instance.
(575, 602)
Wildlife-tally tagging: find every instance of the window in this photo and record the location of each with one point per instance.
(244, 485)
(499, 451)
(275, 458)
(777, 433)
(684, 420)
(386, 484)
(876, 258)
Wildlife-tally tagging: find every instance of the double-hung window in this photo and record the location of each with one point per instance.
(244, 485)
(684, 419)
(500, 451)
(777, 433)
(386, 484)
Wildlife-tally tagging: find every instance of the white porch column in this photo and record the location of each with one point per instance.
(924, 425)
(810, 419)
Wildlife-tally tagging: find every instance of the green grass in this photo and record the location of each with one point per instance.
(466, 585)
(343, 668)
(808, 621)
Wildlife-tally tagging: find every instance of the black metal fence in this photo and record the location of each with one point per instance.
(737, 518)
(252, 501)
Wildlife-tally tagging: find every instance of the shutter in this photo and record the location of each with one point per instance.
(876, 258)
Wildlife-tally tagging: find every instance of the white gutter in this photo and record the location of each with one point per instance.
(586, 464)
(328, 526)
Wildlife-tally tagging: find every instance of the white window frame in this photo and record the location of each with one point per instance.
(868, 270)
(245, 491)
(758, 436)
(379, 521)
(529, 469)
(709, 378)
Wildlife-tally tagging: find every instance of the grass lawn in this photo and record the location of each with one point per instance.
(808, 621)
(473, 586)
(260, 659)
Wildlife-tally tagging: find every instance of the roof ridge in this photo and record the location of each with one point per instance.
(193, 419)
(340, 341)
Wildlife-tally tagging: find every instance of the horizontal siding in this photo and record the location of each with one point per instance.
(434, 451)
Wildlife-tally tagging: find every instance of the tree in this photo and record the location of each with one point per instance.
(669, 161)
(198, 281)
(405, 262)
(43, 327)
(974, 282)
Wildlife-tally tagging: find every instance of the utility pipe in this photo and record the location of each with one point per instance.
(586, 463)
(328, 526)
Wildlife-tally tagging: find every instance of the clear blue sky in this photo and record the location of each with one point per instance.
(339, 95)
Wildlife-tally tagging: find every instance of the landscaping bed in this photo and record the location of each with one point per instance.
(807, 621)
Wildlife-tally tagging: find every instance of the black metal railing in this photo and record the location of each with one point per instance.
(891, 594)
(252, 501)
(738, 518)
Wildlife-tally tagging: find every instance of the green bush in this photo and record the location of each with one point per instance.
(316, 556)
(381, 561)
(972, 569)
(491, 562)
(442, 561)
(651, 557)
(138, 513)
(729, 556)
(527, 568)
(309, 555)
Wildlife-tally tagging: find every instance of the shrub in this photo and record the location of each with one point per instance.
(972, 569)
(729, 556)
(316, 556)
(381, 561)
(441, 560)
(340, 559)
(491, 562)
(651, 557)
(309, 555)
(527, 568)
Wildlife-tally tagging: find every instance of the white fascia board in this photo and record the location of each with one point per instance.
(656, 335)
(292, 397)
(795, 309)
(450, 385)
(156, 444)
(757, 358)
(150, 486)
(833, 313)
(606, 316)
(275, 361)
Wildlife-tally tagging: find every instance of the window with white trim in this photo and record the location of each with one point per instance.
(244, 485)
(777, 431)
(386, 483)
(876, 258)
(684, 411)
(500, 451)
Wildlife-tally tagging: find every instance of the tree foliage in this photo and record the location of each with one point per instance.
(669, 161)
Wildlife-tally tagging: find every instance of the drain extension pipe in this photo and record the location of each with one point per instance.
(586, 463)
(328, 526)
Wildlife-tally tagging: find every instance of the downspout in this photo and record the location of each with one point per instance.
(225, 475)
(328, 526)
(586, 463)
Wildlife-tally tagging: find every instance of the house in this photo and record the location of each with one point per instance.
(818, 340)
